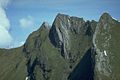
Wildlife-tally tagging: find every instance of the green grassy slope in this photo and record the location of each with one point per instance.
(12, 64)
(40, 58)
(107, 45)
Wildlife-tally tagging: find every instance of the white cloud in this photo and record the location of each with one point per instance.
(5, 37)
(20, 43)
(26, 22)
(17, 44)
(4, 3)
(4, 21)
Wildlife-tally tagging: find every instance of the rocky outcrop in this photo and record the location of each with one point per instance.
(70, 49)
(102, 43)
(59, 34)
(33, 53)
(63, 26)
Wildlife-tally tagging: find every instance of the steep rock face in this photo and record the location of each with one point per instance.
(70, 49)
(33, 53)
(76, 24)
(65, 29)
(42, 57)
(59, 34)
(104, 38)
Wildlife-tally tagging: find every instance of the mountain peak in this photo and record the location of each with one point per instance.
(62, 15)
(71, 49)
(106, 16)
(61, 20)
(45, 24)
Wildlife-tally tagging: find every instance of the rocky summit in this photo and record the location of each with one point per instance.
(70, 49)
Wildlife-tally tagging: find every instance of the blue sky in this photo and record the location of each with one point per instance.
(21, 17)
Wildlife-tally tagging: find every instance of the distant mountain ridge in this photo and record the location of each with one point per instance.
(70, 49)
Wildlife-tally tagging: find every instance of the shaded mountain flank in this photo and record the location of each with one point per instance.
(70, 49)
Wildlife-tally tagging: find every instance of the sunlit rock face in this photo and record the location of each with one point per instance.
(60, 33)
(104, 41)
(65, 28)
(70, 49)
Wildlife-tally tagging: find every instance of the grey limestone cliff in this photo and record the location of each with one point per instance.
(70, 49)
